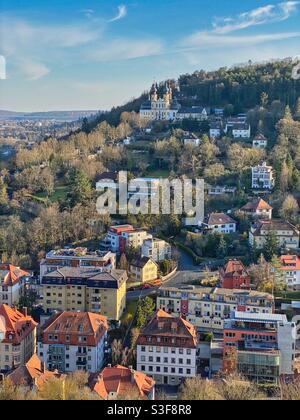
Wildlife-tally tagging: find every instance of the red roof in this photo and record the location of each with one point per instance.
(33, 373)
(290, 262)
(15, 325)
(165, 325)
(75, 324)
(120, 381)
(260, 137)
(234, 268)
(257, 204)
(11, 274)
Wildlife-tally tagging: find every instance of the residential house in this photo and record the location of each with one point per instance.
(207, 307)
(191, 139)
(258, 208)
(290, 265)
(166, 349)
(13, 282)
(85, 289)
(261, 347)
(143, 270)
(220, 190)
(17, 338)
(220, 223)
(286, 234)
(263, 177)
(33, 374)
(107, 180)
(197, 113)
(156, 249)
(260, 142)
(73, 341)
(234, 275)
(120, 237)
(215, 130)
(121, 382)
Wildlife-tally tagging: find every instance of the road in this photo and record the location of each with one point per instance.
(188, 272)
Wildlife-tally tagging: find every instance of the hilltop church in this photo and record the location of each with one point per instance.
(167, 108)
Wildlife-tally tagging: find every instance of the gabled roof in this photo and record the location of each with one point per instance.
(15, 326)
(33, 373)
(260, 137)
(234, 268)
(290, 262)
(219, 219)
(141, 262)
(120, 381)
(257, 204)
(11, 275)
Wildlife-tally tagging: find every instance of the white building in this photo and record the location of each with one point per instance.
(291, 268)
(215, 130)
(263, 177)
(260, 142)
(120, 237)
(156, 249)
(166, 349)
(221, 223)
(77, 257)
(13, 283)
(197, 113)
(191, 139)
(208, 307)
(73, 341)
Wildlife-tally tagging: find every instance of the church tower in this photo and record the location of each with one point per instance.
(153, 93)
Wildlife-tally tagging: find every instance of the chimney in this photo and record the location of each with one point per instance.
(43, 367)
(25, 311)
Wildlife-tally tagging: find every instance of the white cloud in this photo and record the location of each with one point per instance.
(126, 49)
(122, 12)
(33, 69)
(205, 40)
(261, 15)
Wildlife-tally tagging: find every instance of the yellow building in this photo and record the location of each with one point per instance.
(143, 270)
(17, 338)
(85, 289)
(286, 234)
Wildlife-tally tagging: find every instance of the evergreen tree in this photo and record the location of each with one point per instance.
(3, 193)
(288, 113)
(297, 110)
(271, 245)
(81, 189)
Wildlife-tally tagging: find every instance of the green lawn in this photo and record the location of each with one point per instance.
(131, 308)
(60, 193)
(158, 173)
(288, 295)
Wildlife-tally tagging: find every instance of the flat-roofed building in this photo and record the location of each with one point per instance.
(208, 307)
(261, 347)
(77, 257)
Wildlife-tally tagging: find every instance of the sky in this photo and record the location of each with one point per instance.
(95, 54)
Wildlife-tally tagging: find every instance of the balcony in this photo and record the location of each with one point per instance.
(81, 362)
(80, 354)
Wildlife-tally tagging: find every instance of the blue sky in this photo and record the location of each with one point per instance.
(93, 54)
